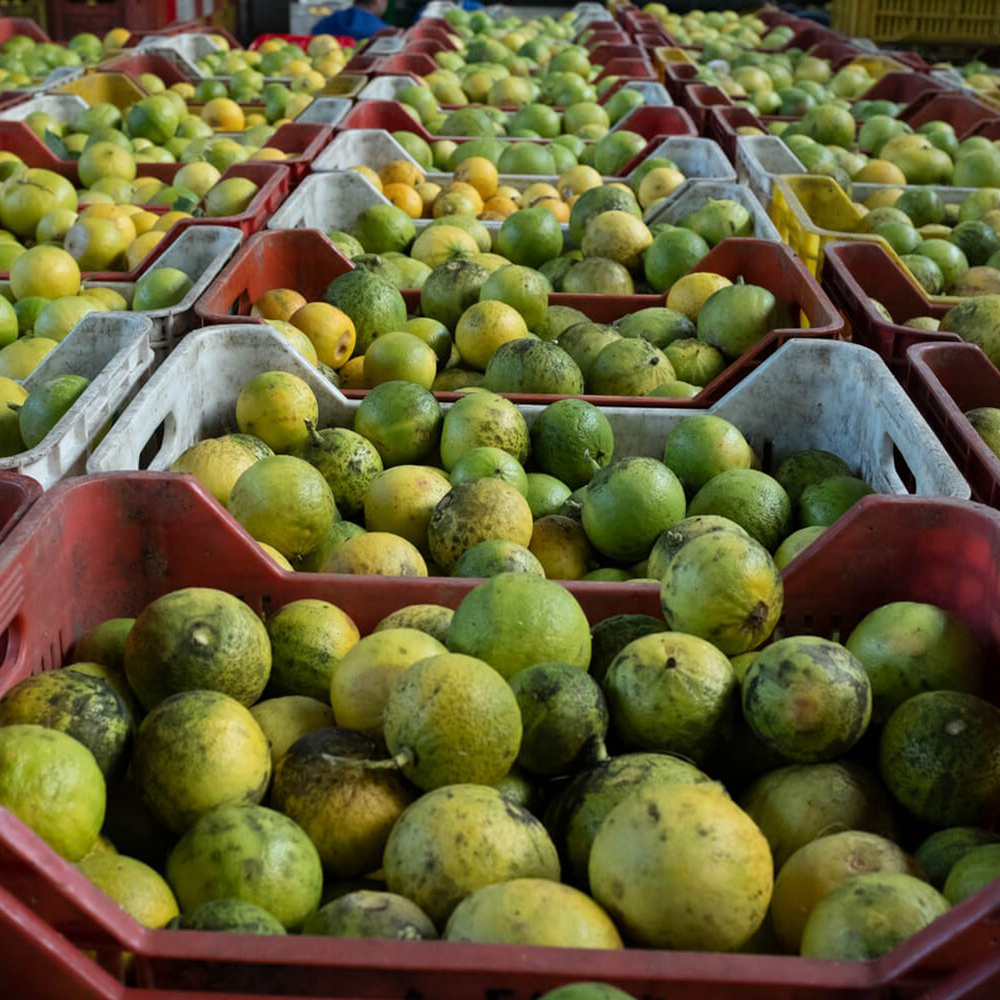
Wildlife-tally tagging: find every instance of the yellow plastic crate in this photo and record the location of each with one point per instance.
(810, 211)
(104, 88)
(907, 21)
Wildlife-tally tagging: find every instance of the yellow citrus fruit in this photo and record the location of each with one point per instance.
(20, 359)
(659, 183)
(216, 463)
(396, 172)
(352, 374)
(428, 192)
(167, 220)
(400, 355)
(691, 292)
(112, 299)
(483, 327)
(370, 176)
(224, 114)
(880, 172)
(461, 187)
(138, 889)
(376, 553)
(141, 247)
(498, 207)
(402, 499)
(287, 718)
(330, 329)
(556, 206)
(296, 338)
(538, 190)
(144, 221)
(274, 407)
(480, 173)
(269, 154)
(506, 191)
(278, 303)
(276, 556)
(577, 180)
(46, 271)
(406, 198)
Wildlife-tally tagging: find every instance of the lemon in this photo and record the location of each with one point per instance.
(376, 553)
(691, 292)
(139, 890)
(283, 720)
(276, 556)
(217, 463)
(274, 407)
(52, 783)
(309, 638)
(483, 327)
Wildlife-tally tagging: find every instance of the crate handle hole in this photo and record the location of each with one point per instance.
(903, 470)
(152, 448)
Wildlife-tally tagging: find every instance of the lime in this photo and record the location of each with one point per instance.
(822, 503)
(939, 853)
(700, 448)
(546, 494)
(804, 468)
(402, 420)
(752, 499)
(47, 404)
(524, 289)
(672, 255)
(233, 915)
(479, 462)
(348, 462)
(530, 237)
(948, 257)
(483, 419)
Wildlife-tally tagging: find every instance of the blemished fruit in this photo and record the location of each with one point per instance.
(659, 838)
(367, 913)
(235, 915)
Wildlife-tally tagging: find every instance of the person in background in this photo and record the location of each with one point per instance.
(361, 21)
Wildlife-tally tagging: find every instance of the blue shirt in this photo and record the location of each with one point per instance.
(353, 22)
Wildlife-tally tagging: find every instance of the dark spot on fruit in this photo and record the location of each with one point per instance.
(671, 662)
(653, 810)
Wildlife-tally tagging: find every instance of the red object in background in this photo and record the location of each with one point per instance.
(946, 380)
(71, 17)
(306, 260)
(111, 544)
(854, 273)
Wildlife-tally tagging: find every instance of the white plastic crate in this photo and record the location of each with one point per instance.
(385, 46)
(58, 76)
(700, 192)
(184, 50)
(369, 147)
(113, 351)
(327, 201)
(200, 252)
(385, 88)
(810, 394)
(325, 111)
(762, 158)
(696, 159)
(63, 107)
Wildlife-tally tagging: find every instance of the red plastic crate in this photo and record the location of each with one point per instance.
(11, 26)
(134, 64)
(630, 68)
(904, 88)
(110, 544)
(401, 62)
(721, 123)
(303, 143)
(17, 494)
(70, 17)
(962, 112)
(429, 46)
(307, 261)
(699, 99)
(677, 77)
(273, 181)
(856, 272)
(602, 54)
(946, 380)
(608, 31)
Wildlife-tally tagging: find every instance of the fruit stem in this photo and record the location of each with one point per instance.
(314, 435)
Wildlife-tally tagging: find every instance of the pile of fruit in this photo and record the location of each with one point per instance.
(413, 490)
(509, 772)
(25, 62)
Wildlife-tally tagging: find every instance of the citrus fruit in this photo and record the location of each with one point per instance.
(399, 355)
(561, 547)
(483, 328)
(44, 271)
(84, 707)
(345, 808)
(628, 504)
(522, 288)
(514, 621)
(532, 912)
(938, 756)
(796, 805)
(483, 419)
(217, 463)
(274, 406)
(694, 362)
(248, 853)
(495, 462)
(693, 839)
(402, 500)
(660, 326)
(430, 864)
(330, 330)
(376, 553)
(972, 872)
(529, 365)
(803, 468)
(283, 720)
(366, 913)
(724, 588)
(402, 420)
(668, 258)
(52, 783)
(807, 698)
(628, 367)
(938, 854)
(795, 544)
(138, 889)
(678, 535)
(586, 991)
(361, 679)
(348, 462)
(564, 718)
(598, 276)
(755, 501)
(702, 447)
(617, 236)
(530, 237)
(671, 692)
(869, 915)
(160, 288)
(373, 305)
(690, 293)
(584, 341)
(451, 719)
(104, 644)
(285, 502)
(197, 750)
(47, 403)
(60, 316)
(907, 647)
(381, 228)
(433, 619)
(817, 868)
(309, 637)
(233, 915)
